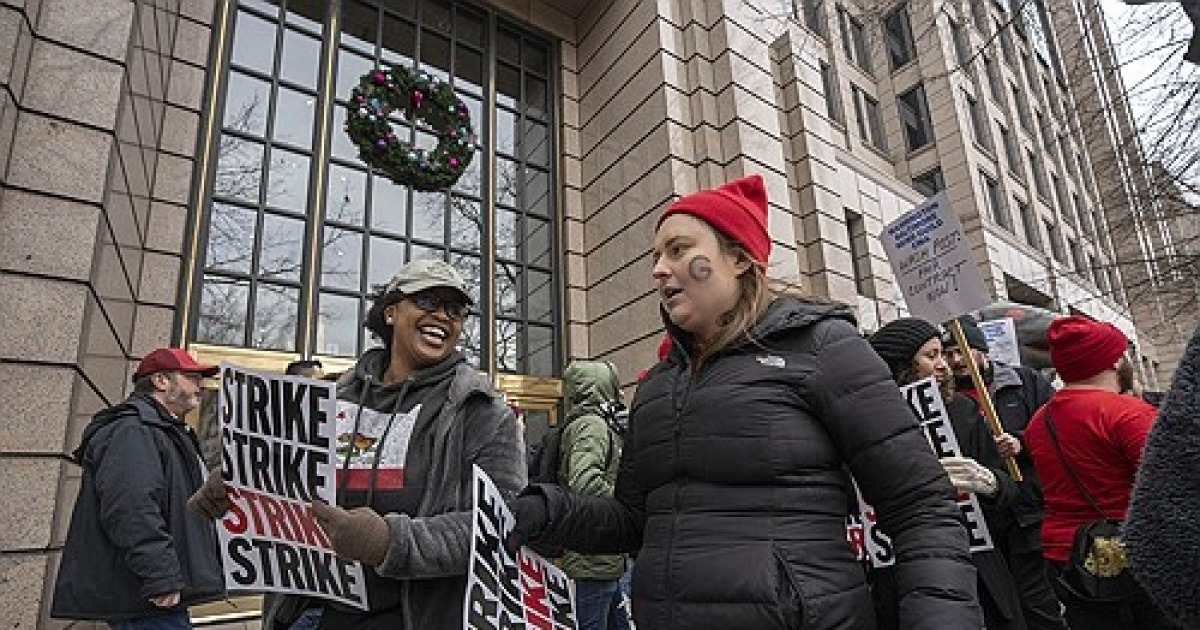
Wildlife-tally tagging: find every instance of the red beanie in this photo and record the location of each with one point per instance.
(737, 210)
(1081, 348)
(664, 348)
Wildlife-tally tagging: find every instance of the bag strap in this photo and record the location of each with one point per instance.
(1078, 484)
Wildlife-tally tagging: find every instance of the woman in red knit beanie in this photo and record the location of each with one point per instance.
(734, 481)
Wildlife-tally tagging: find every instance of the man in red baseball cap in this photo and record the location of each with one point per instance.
(135, 556)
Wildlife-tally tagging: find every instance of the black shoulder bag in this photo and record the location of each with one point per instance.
(1096, 570)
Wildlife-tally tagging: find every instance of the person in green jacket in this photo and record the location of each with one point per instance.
(589, 457)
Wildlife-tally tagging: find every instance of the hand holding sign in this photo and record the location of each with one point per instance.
(212, 499)
(358, 534)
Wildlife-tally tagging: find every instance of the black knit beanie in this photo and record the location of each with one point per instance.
(898, 341)
(975, 337)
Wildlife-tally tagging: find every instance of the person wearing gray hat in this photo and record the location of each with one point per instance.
(414, 417)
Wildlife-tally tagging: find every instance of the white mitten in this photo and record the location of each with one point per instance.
(969, 475)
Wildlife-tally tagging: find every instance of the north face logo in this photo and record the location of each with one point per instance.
(771, 360)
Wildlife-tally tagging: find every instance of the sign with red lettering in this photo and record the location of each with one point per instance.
(277, 458)
(863, 533)
(507, 590)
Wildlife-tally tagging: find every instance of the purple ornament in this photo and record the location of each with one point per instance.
(417, 98)
(453, 162)
(381, 144)
(378, 77)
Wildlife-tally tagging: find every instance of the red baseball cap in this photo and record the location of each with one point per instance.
(171, 360)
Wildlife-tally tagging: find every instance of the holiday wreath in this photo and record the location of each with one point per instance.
(421, 97)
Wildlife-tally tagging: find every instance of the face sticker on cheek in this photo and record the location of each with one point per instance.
(700, 268)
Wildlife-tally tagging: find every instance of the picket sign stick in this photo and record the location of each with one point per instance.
(985, 398)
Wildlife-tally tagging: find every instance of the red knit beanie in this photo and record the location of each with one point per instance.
(737, 210)
(1081, 348)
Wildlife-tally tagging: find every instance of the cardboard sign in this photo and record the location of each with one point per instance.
(507, 591)
(932, 261)
(863, 533)
(277, 458)
(1003, 345)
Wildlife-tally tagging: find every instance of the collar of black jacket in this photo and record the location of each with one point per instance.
(785, 313)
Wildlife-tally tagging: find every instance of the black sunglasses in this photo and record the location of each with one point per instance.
(430, 303)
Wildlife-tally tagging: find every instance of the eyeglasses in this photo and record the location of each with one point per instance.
(430, 303)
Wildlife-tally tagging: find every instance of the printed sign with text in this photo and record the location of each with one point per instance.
(507, 591)
(277, 458)
(1003, 345)
(932, 262)
(865, 536)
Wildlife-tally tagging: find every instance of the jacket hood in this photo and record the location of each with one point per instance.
(366, 378)
(784, 313)
(590, 384)
(128, 408)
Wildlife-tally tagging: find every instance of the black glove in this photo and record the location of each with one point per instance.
(532, 514)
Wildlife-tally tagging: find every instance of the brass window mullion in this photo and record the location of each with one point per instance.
(314, 226)
(488, 141)
(204, 176)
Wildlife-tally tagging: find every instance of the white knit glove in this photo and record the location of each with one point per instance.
(968, 475)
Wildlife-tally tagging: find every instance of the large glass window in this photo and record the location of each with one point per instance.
(298, 223)
(995, 201)
(833, 101)
(898, 38)
(914, 116)
(854, 40)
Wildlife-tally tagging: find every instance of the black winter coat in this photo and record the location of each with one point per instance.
(734, 485)
(132, 536)
(1018, 392)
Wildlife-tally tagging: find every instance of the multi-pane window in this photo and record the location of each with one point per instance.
(1031, 75)
(1060, 196)
(1033, 14)
(979, 13)
(1006, 44)
(856, 231)
(1077, 257)
(870, 119)
(1022, 109)
(1098, 275)
(813, 14)
(1048, 92)
(833, 100)
(1030, 224)
(995, 200)
(1085, 222)
(993, 77)
(898, 38)
(961, 49)
(1114, 282)
(299, 224)
(1039, 174)
(1044, 129)
(1084, 170)
(1100, 227)
(1011, 153)
(929, 183)
(914, 116)
(854, 40)
(979, 126)
(1066, 157)
(1056, 241)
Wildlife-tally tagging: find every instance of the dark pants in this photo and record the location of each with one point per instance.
(170, 621)
(1038, 600)
(1138, 613)
(598, 605)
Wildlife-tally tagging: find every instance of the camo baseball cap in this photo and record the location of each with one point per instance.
(420, 275)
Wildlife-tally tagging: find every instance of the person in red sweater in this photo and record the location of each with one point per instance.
(1101, 433)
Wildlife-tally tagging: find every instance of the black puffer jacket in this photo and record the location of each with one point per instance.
(734, 485)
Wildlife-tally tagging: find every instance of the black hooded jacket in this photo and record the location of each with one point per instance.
(132, 536)
(734, 484)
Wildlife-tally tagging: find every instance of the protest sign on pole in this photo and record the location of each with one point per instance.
(277, 458)
(931, 258)
(1002, 341)
(506, 590)
(863, 533)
